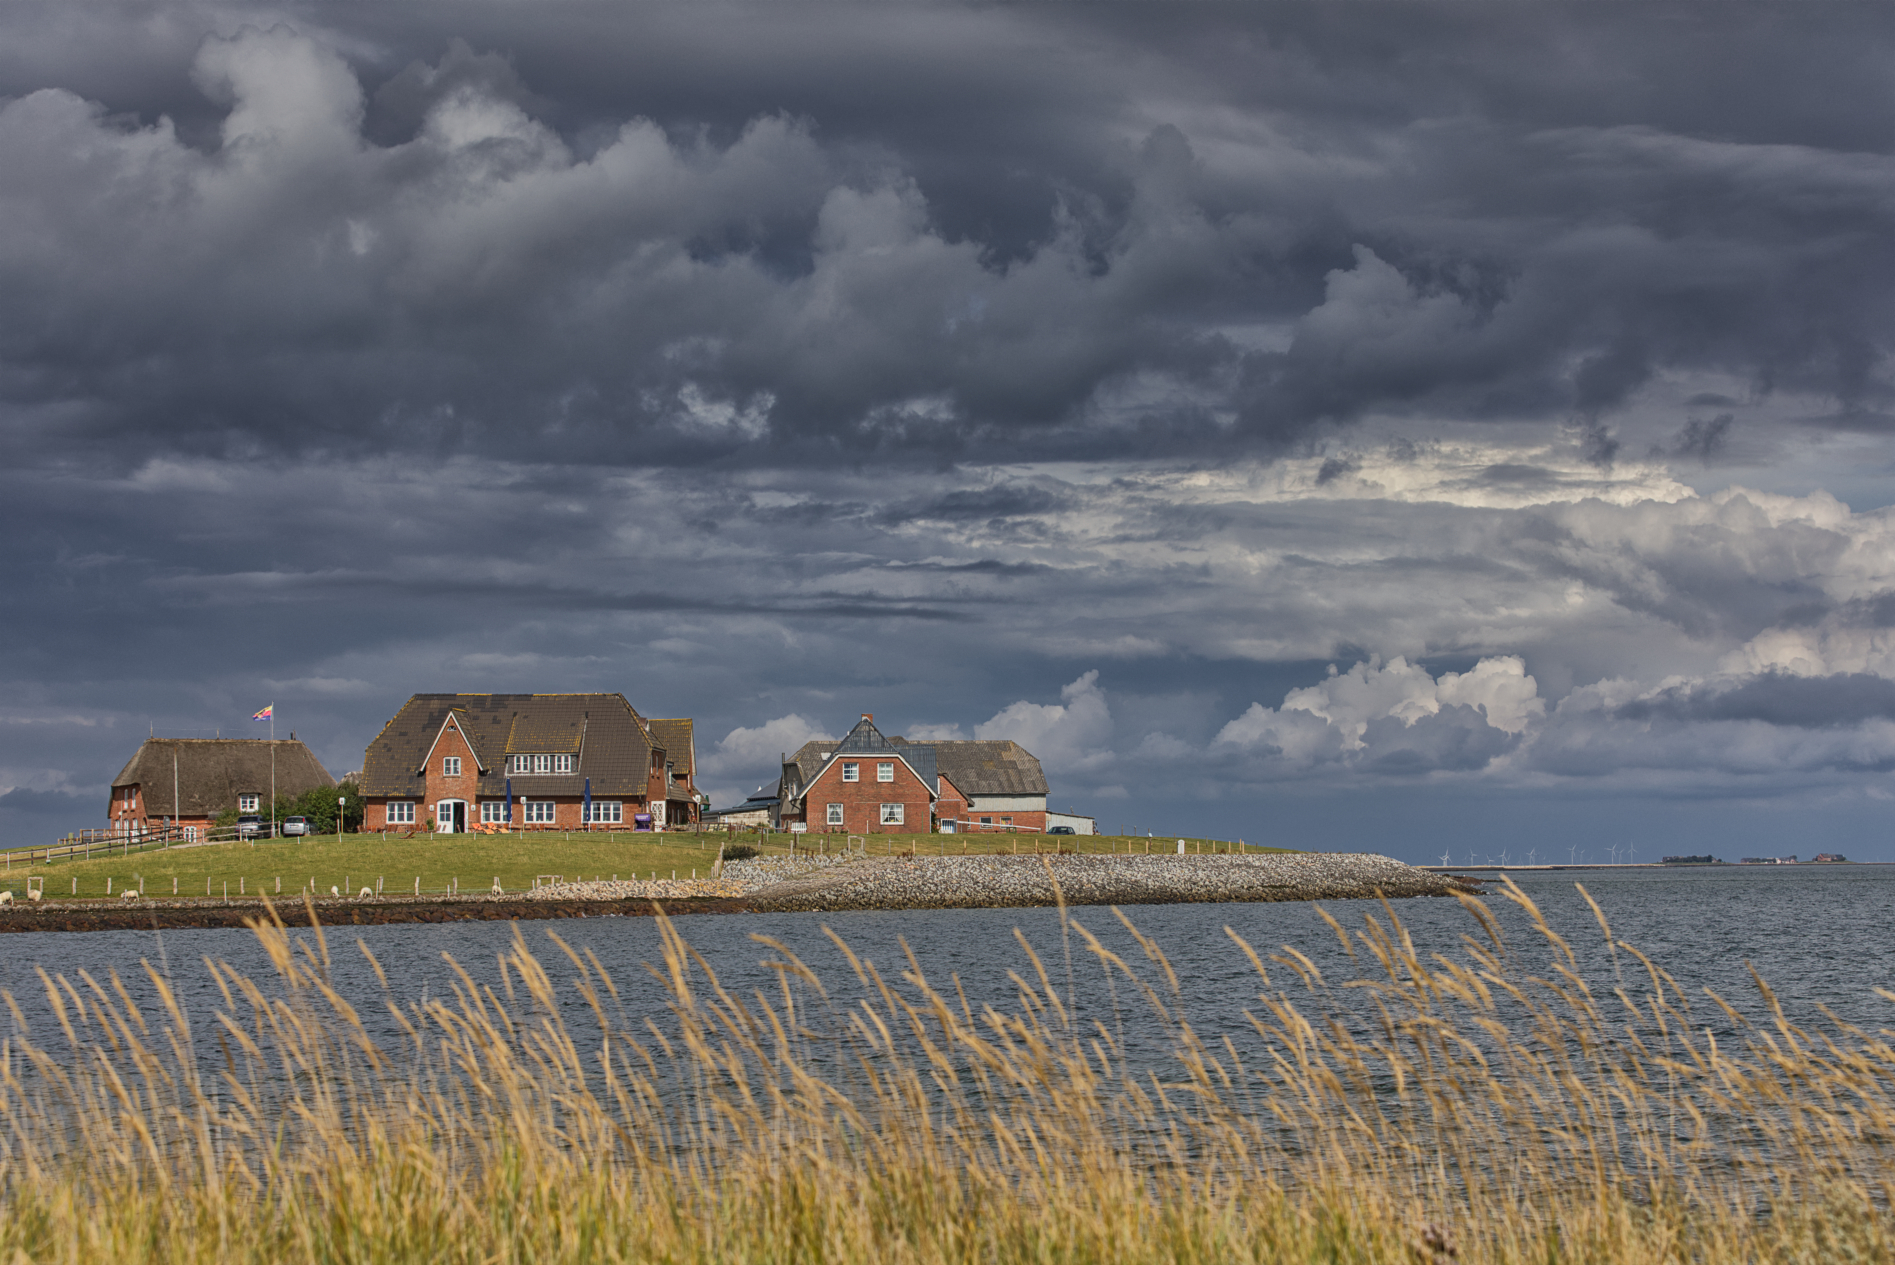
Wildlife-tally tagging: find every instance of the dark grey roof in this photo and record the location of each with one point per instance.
(988, 767)
(212, 772)
(602, 730)
(980, 767)
(866, 740)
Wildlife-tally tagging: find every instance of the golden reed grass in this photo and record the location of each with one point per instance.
(1447, 1107)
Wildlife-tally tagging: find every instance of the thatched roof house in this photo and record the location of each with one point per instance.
(192, 780)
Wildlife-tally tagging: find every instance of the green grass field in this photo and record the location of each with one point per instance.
(475, 861)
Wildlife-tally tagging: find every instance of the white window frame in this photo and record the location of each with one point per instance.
(885, 770)
(835, 815)
(540, 812)
(493, 812)
(542, 764)
(851, 771)
(607, 812)
(399, 812)
(562, 764)
(249, 803)
(450, 766)
(894, 814)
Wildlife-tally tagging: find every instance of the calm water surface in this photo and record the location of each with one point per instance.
(1822, 936)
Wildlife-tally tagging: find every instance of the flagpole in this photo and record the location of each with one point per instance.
(272, 770)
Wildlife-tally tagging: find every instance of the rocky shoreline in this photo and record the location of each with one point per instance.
(812, 885)
(1001, 882)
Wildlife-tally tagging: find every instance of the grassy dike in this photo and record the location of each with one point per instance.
(475, 861)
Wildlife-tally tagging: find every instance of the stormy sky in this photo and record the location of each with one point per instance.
(1413, 427)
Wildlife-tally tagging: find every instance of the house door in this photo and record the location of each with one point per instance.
(450, 816)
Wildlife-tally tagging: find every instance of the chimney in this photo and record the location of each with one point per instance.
(868, 717)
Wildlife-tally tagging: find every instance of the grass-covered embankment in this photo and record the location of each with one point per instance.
(475, 861)
(1484, 1106)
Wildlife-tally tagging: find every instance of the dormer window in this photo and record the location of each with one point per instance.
(562, 764)
(542, 764)
(851, 771)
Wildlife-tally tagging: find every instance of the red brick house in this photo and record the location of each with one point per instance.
(486, 762)
(188, 782)
(868, 783)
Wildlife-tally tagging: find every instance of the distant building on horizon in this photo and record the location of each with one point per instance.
(189, 782)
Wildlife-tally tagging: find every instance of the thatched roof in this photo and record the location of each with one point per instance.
(211, 772)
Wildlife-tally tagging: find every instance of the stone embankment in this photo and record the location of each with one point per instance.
(992, 882)
(636, 889)
(811, 884)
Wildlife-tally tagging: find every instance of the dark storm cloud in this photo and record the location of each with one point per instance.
(1035, 368)
(1776, 699)
(810, 233)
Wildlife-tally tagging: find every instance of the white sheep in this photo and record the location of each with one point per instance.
(130, 893)
(366, 893)
(335, 891)
(497, 889)
(6, 898)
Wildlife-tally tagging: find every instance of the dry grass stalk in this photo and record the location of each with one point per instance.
(1428, 1110)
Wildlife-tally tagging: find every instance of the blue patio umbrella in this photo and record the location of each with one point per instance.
(585, 814)
(509, 801)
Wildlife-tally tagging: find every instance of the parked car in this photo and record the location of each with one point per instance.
(298, 826)
(249, 826)
(1061, 830)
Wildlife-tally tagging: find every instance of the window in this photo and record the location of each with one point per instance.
(401, 812)
(835, 814)
(539, 812)
(608, 810)
(851, 771)
(493, 811)
(562, 764)
(542, 764)
(891, 814)
(885, 771)
(986, 821)
(247, 803)
(520, 764)
(1006, 821)
(450, 766)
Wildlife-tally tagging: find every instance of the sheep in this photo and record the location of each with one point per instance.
(130, 893)
(6, 898)
(335, 891)
(366, 893)
(497, 889)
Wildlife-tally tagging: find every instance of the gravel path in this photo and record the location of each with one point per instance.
(1008, 881)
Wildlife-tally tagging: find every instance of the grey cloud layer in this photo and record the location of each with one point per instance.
(636, 235)
(1097, 374)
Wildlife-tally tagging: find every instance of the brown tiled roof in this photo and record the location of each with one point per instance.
(601, 729)
(676, 738)
(212, 772)
(680, 745)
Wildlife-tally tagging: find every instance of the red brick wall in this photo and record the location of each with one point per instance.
(862, 801)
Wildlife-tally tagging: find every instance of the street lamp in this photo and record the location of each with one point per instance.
(341, 802)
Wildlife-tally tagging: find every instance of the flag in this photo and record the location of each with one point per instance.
(586, 812)
(266, 713)
(509, 801)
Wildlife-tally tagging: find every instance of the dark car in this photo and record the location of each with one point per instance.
(1061, 830)
(249, 826)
